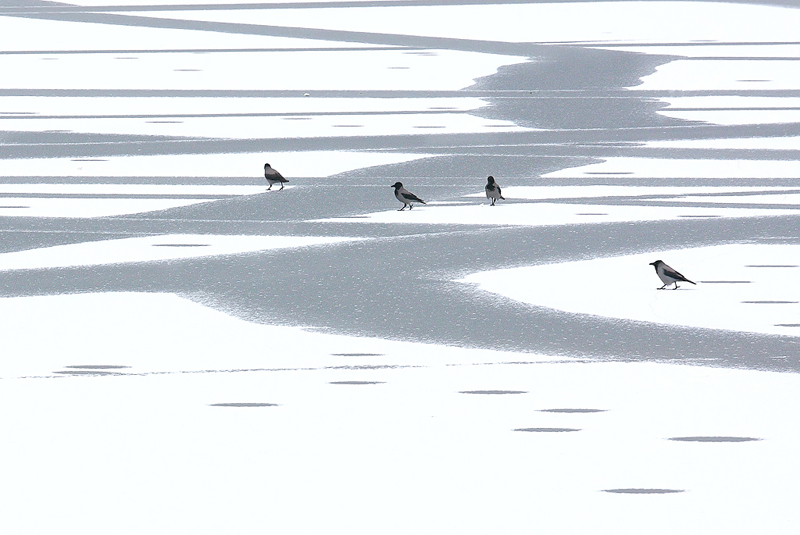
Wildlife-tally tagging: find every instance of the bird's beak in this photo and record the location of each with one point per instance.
(651, 264)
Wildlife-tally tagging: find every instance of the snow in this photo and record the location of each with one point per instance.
(362, 70)
(787, 199)
(301, 164)
(725, 74)
(598, 191)
(151, 249)
(130, 189)
(254, 127)
(154, 413)
(174, 107)
(85, 208)
(731, 294)
(630, 22)
(726, 50)
(125, 41)
(734, 117)
(632, 167)
(154, 434)
(752, 143)
(544, 214)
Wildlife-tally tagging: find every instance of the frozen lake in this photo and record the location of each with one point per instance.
(187, 352)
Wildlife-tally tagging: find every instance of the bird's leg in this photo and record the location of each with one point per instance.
(403, 208)
(270, 187)
(281, 186)
(410, 206)
(665, 285)
(676, 286)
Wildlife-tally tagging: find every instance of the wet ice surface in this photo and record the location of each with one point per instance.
(188, 352)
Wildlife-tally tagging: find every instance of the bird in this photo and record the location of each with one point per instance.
(493, 190)
(273, 177)
(405, 196)
(668, 275)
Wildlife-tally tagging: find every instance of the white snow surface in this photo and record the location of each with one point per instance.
(727, 50)
(633, 167)
(758, 143)
(24, 34)
(724, 74)
(255, 127)
(595, 191)
(66, 207)
(152, 432)
(152, 248)
(300, 71)
(151, 413)
(546, 214)
(633, 22)
(733, 292)
(291, 164)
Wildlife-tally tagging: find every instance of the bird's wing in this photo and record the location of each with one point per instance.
(411, 197)
(500, 192)
(669, 272)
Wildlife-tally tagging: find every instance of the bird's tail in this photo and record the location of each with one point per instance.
(687, 280)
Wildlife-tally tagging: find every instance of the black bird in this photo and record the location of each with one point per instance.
(493, 190)
(273, 177)
(405, 196)
(668, 275)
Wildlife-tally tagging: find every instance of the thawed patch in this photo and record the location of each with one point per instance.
(547, 429)
(243, 405)
(714, 439)
(643, 491)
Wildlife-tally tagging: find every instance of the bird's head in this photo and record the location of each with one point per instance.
(266, 165)
(656, 263)
(397, 185)
(490, 179)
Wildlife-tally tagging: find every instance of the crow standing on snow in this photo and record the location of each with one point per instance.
(405, 196)
(493, 190)
(273, 177)
(668, 275)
